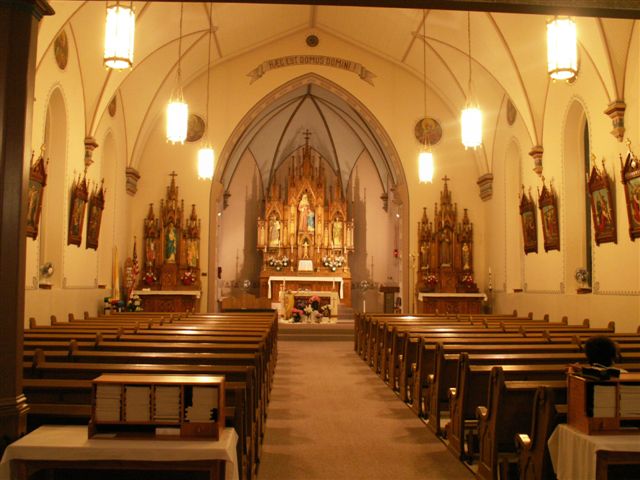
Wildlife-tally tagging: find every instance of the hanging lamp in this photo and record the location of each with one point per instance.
(471, 118)
(177, 109)
(562, 49)
(425, 157)
(119, 33)
(206, 155)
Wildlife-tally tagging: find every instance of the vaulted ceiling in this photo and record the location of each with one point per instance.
(508, 55)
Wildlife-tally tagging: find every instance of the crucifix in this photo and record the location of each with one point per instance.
(445, 179)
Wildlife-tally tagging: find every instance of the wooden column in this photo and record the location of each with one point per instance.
(18, 33)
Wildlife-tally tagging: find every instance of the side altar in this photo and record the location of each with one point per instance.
(445, 282)
(170, 277)
(305, 235)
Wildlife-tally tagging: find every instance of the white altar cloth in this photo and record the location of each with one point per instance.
(71, 442)
(284, 279)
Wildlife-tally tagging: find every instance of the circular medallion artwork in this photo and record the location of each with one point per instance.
(428, 128)
(195, 130)
(511, 113)
(61, 50)
(112, 107)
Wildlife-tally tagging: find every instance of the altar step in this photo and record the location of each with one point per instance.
(332, 332)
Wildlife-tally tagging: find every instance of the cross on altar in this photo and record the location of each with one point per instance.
(445, 179)
(173, 175)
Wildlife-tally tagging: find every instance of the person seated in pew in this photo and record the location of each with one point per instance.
(601, 351)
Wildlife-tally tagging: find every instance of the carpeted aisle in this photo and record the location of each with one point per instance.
(330, 417)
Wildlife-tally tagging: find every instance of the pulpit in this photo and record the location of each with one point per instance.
(305, 235)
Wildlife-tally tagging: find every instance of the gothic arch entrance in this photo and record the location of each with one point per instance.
(352, 143)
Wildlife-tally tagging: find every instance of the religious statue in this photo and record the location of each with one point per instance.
(170, 245)
(274, 231)
(445, 247)
(305, 249)
(311, 224)
(466, 260)
(337, 233)
(303, 209)
(424, 256)
(192, 252)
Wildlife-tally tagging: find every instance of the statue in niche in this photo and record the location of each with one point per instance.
(311, 223)
(445, 247)
(466, 260)
(424, 256)
(305, 249)
(337, 233)
(303, 209)
(170, 248)
(274, 231)
(192, 252)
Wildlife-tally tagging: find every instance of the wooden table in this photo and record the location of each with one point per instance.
(68, 447)
(450, 302)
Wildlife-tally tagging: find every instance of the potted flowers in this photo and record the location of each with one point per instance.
(430, 282)
(188, 278)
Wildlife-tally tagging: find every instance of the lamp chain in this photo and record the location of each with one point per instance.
(469, 49)
(180, 45)
(209, 65)
(424, 72)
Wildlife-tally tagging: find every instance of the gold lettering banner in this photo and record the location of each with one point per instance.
(292, 60)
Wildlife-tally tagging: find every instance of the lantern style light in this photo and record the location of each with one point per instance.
(471, 122)
(471, 118)
(177, 118)
(119, 36)
(562, 50)
(426, 165)
(206, 163)
(206, 155)
(178, 110)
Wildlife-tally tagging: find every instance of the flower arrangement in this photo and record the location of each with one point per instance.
(149, 278)
(296, 315)
(467, 279)
(278, 263)
(188, 277)
(333, 263)
(431, 279)
(134, 304)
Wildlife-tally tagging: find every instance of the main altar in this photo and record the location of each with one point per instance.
(305, 235)
(445, 282)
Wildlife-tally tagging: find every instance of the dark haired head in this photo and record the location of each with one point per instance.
(601, 349)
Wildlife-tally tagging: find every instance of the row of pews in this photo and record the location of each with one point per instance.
(493, 387)
(61, 359)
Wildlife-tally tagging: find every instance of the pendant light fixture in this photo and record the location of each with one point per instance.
(562, 49)
(177, 109)
(471, 118)
(425, 158)
(206, 155)
(119, 33)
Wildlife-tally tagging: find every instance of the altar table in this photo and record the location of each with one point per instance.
(450, 302)
(573, 453)
(68, 446)
(169, 300)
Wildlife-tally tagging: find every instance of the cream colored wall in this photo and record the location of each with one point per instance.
(396, 101)
(548, 277)
(82, 276)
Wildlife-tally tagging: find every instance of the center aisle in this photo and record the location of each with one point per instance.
(331, 417)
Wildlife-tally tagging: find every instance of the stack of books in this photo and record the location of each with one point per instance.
(137, 403)
(108, 403)
(167, 404)
(604, 401)
(204, 405)
(630, 401)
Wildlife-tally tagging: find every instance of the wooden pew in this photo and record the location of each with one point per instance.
(507, 413)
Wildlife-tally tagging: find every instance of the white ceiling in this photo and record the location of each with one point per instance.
(508, 54)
